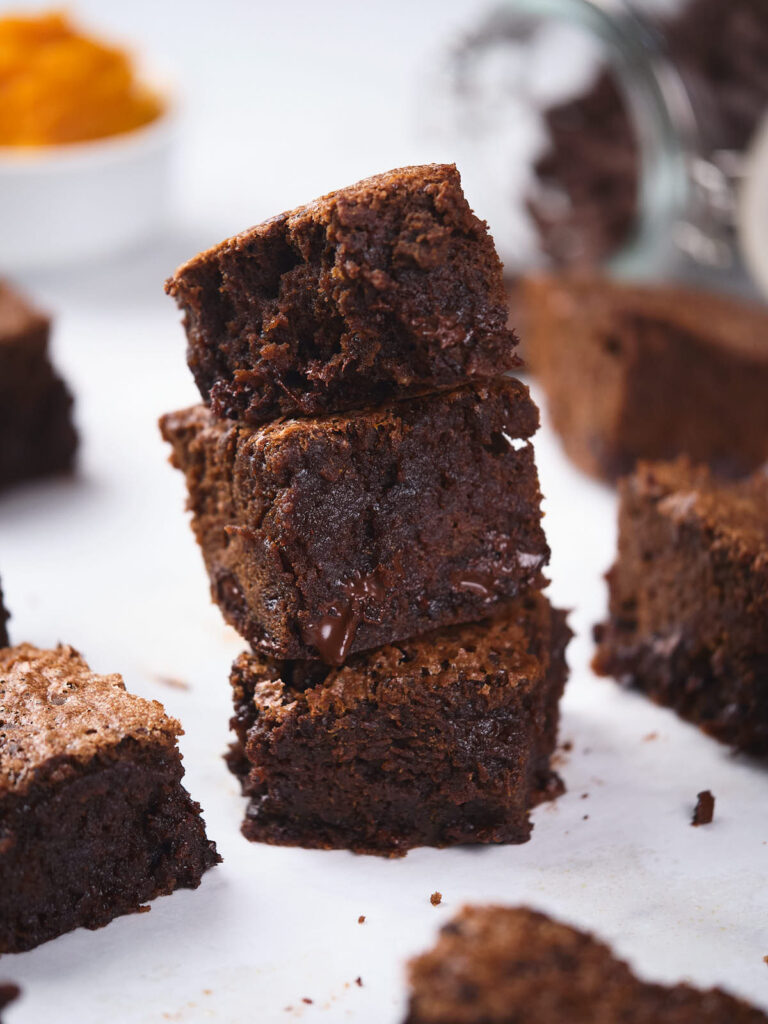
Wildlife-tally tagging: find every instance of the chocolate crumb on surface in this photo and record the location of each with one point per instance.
(436, 899)
(361, 919)
(359, 982)
(705, 809)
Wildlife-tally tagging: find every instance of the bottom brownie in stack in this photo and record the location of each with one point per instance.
(438, 740)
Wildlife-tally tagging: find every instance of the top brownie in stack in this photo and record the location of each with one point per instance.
(386, 288)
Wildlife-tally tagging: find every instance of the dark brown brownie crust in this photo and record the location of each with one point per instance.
(94, 820)
(435, 741)
(636, 372)
(688, 618)
(388, 287)
(329, 536)
(37, 437)
(505, 965)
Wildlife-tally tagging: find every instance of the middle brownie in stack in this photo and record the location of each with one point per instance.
(404, 507)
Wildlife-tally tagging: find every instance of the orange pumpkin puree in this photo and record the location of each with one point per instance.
(58, 85)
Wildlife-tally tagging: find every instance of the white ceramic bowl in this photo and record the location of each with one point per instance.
(78, 202)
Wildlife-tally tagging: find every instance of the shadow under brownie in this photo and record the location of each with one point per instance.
(511, 965)
(327, 536)
(94, 820)
(439, 740)
(635, 372)
(37, 437)
(688, 621)
(388, 287)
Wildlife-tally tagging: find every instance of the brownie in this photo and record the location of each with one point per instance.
(634, 372)
(387, 287)
(688, 615)
(434, 741)
(512, 965)
(584, 199)
(327, 536)
(4, 616)
(94, 820)
(9, 993)
(37, 437)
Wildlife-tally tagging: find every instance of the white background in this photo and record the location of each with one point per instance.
(281, 103)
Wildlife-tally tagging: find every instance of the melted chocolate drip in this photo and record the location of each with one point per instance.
(332, 633)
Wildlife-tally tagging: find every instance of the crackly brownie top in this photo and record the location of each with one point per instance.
(16, 314)
(52, 705)
(735, 512)
(509, 648)
(721, 321)
(504, 965)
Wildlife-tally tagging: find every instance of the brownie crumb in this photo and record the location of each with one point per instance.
(585, 818)
(436, 899)
(361, 919)
(359, 981)
(705, 809)
(172, 682)
(567, 746)
(584, 796)
(307, 1001)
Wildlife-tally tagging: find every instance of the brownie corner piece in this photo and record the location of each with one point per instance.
(513, 965)
(94, 820)
(440, 740)
(688, 599)
(332, 535)
(37, 436)
(635, 372)
(386, 287)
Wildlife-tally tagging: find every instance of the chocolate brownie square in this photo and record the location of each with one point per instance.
(434, 741)
(4, 616)
(511, 965)
(635, 372)
(387, 287)
(327, 536)
(94, 820)
(688, 616)
(37, 437)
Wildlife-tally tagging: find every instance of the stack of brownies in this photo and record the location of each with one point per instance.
(363, 488)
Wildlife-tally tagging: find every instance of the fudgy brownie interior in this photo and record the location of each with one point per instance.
(387, 287)
(94, 820)
(437, 740)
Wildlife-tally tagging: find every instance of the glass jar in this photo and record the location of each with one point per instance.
(591, 131)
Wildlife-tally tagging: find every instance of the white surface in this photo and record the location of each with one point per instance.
(108, 563)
